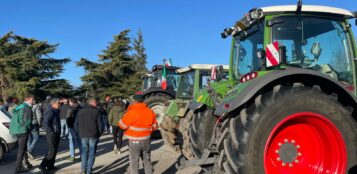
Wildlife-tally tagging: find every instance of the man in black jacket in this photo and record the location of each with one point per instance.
(52, 126)
(45, 104)
(73, 137)
(63, 115)
(89, 125)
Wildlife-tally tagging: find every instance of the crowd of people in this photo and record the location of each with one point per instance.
(82, 123)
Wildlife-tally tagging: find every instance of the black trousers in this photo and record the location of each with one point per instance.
(117, 136)
(52, 143)
(22, 149)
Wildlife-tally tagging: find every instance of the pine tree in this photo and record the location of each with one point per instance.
(118, 72)
(139, 55)
(26, 66)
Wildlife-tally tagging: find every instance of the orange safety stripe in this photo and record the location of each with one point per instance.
(140, 128)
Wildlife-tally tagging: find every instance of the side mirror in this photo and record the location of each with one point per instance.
(356, 22)
(242, 52)
(261, 55)
(316, 50)
(282, 53)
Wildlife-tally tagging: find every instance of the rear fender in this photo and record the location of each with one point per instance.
(194, 105)
(177, 108)
(152, 91)
(290, 75)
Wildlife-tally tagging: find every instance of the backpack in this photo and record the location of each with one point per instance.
(17, 123)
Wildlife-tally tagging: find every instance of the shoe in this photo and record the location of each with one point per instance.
(83, 172)
(30, 156)
(43, 169)
(71, 159)
(52, 168)
(21, 170)
(27, 165)
(115, 150)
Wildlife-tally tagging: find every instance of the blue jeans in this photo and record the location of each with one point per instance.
(74, 140)
(32, 140)
(64, 128)
(105, 122)
(89, 148)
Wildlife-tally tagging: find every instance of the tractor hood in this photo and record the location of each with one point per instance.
(212, 95)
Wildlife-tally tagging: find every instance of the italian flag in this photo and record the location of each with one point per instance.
(163, 74)
(163, 78)
(168, 62)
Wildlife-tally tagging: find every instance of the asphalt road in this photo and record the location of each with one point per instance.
(106, 162)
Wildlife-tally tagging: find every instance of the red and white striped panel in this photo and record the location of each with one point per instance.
(213, 73)
(272, 54)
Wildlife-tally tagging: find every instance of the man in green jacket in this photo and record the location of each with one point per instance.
(21, 126)
(115, 114)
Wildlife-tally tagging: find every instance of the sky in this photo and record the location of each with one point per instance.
(188, 31)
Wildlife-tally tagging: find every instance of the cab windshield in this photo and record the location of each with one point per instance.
(245, 50)
(156, 79)
(185, 85)
(148, 81)
(315, 43)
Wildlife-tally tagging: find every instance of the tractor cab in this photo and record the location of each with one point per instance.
(310, 37)
(195, 77)
(193, 80)
(153, 81)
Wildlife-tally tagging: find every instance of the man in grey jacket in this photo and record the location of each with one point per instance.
(35, 132)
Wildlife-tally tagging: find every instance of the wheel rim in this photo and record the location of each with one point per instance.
(158, 108)
(305, 143)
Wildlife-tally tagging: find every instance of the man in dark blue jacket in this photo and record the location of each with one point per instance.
(52, 126)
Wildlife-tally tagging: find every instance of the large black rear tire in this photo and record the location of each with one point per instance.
(176, 136)
(183, 135)
(168, 129)
(157, 102)
(201, 130)
(245, 136)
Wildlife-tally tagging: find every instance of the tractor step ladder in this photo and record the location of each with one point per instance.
(205, 160)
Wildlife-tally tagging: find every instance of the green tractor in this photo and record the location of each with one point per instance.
(191, 80)
(289, 105)
(154, 94)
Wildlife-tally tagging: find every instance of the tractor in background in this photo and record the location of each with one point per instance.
(289, 105)
(155, 95)
(191, 80)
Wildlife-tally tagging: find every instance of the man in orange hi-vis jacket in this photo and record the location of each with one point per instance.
(139, 122)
